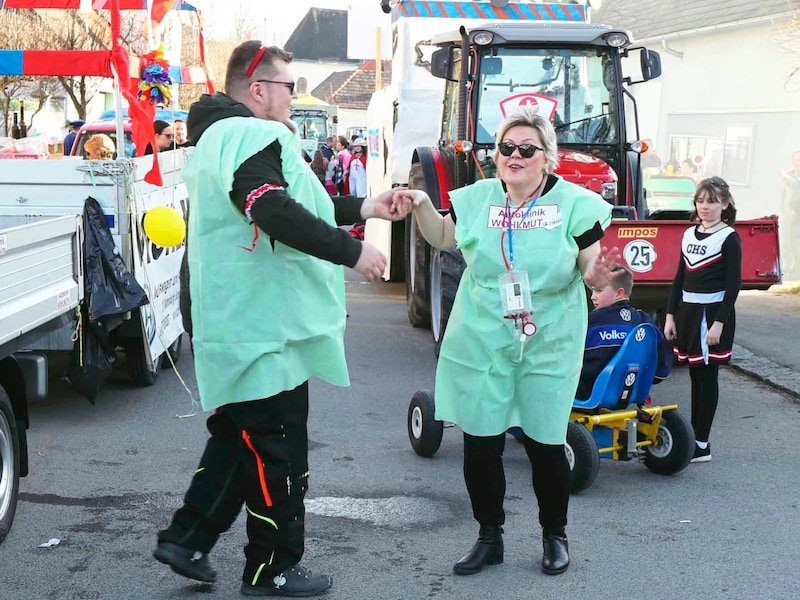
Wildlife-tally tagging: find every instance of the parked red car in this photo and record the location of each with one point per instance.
(106, 124)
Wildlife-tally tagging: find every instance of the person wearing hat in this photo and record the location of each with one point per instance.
(72, 131)
(358, 169)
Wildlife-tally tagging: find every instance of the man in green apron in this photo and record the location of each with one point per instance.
(268, 311)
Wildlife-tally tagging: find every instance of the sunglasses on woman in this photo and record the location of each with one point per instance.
(525, 150)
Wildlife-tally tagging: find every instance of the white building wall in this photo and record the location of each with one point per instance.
(729, 88)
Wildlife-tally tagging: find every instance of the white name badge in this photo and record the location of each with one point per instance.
(544, 216)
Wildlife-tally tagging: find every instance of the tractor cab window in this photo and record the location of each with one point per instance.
(311, 127)
(574, 88)
(450, 114)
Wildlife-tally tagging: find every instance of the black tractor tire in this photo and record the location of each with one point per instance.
(138, 371)
(9, 464)
(675, 446)
(424, 431)
(416, 259)
(446, 269)
(397, 270)
(583, 457)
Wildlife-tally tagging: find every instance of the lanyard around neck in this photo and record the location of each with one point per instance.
(510, 216)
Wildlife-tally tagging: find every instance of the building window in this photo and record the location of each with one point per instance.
(736, 160)
(705, 153)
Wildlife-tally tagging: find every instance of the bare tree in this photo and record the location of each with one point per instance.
(787, 38)
(72, 30)
(220, 42)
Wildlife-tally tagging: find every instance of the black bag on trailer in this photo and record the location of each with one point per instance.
(110, 288)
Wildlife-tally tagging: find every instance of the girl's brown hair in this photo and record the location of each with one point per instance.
(717, 190)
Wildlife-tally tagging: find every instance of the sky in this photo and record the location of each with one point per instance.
(274, 20)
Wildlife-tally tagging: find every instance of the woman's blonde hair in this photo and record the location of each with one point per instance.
(526, 116)
(101, 146)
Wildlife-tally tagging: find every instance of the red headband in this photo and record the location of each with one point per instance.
(256, 59)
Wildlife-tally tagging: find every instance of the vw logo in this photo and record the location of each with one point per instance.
(640, 333)
(629, 379)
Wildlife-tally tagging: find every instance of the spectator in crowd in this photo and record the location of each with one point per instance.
(180, 133)
(99, 147)
(358, 169)
(790, 219)
(327, 147)
(164, 137)
(319, 165)
(72, 132)
(689, 169)
(341, 174)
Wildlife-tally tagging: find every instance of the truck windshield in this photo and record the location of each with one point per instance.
(312, 126)
(573, 87)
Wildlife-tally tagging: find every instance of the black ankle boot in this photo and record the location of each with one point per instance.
(555, 559)
(488, 550)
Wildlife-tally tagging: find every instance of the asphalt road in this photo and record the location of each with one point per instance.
(388, 524)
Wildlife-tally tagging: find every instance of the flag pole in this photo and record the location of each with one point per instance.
(378, 60)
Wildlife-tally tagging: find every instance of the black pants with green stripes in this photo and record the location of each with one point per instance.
(257, 455)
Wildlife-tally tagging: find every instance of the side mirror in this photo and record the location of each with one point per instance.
(651, 64)
(441, 65)
(492, 65)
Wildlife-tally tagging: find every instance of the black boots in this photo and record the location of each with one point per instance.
(555, 559)
(488, 550)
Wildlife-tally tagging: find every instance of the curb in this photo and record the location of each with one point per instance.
(763, 369)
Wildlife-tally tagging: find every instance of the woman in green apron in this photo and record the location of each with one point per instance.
(512, 352)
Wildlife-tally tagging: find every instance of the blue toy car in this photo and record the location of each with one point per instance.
(616, 421)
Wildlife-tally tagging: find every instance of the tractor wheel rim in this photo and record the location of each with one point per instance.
(436, 296)
(412, 252)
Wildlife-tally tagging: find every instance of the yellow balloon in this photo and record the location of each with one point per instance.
(164, 226)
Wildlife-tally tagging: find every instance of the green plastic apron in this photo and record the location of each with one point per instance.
(481, 383)
(264, 320)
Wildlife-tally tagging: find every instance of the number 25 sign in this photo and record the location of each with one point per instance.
(640, 255)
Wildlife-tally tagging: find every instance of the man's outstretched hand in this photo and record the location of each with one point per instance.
(391, 205)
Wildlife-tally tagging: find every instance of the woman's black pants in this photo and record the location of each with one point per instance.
(486, 480)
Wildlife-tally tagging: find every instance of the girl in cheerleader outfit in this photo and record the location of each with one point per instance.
(700, 315)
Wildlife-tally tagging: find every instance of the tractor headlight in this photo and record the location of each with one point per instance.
(608, 190)
(483, 38)
(617, 39)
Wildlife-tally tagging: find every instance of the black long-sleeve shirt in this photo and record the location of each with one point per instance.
(261, 193)
(721, 271)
